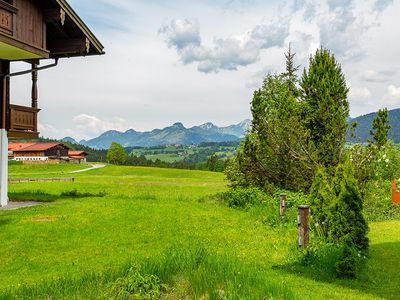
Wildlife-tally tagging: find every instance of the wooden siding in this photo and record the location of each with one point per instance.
(29, 154)
(29, 23)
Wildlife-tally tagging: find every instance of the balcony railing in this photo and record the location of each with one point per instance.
(23, 122)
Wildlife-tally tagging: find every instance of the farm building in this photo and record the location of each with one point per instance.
(45, 153)
(41, 152)
(77, 156)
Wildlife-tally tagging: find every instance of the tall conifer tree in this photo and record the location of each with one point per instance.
(326, 107)
(380, 128)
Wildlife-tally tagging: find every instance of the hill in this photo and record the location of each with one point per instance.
(364, 125)
(175, 134)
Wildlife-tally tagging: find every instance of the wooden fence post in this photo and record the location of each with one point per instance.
(282, 204)
(302, 221)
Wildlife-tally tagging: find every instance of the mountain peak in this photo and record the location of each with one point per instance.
(131, 131)
(207, 125)
(245, 123)
(69, 139)
(178, 125)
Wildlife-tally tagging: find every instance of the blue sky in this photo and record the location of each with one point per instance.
(200, 61)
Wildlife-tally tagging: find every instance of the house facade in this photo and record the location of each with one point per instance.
(41, 152)
(78, 157)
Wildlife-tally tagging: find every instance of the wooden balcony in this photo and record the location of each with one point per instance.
(23, 122)
(7, 18)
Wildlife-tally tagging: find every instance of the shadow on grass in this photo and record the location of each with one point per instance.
(42, 196)
(379, 277)
(4, 221)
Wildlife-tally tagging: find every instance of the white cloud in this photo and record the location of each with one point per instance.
(225, 53)
(92, 125)
(374, 76)
(381, 5)
(392, 96)
(359, 93)
(181, 33)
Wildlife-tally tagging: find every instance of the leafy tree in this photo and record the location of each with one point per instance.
(116, 154)
(326, 107)
(380, 128)
(346, 218)
(276, 152)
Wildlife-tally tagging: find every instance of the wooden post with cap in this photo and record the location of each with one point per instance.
(282, 204)
(303, 229)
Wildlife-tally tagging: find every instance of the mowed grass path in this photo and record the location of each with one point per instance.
(145, 212)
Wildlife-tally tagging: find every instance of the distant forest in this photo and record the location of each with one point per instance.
(208, 156)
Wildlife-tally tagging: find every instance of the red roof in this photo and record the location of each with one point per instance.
(18, 146)
(77, 153)
(40, 147)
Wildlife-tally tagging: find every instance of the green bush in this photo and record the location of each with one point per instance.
(137, 286)
(349, 262)
(243, 197)
(346, 215)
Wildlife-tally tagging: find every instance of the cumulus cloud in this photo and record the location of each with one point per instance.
(341, 30)
(392, 97)
(359, 93)
(225, 53)
(377, 77)
(381, 5)
(181, 33)
(92, 125)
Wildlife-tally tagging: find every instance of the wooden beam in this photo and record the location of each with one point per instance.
(68, 46)
(56, 15)
(81, 25)
(24, 46)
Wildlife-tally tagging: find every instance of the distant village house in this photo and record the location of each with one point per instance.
(45, 153)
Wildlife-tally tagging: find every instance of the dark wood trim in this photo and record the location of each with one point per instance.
(24, 46)
(69, 46)
(8, 6)
(20, 134)
(26, 108)
(55, 15)
(81, 25)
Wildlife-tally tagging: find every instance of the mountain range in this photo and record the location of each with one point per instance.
(364, 125)
(208, 132)
(175, 134)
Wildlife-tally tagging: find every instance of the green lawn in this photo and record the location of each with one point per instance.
(74, 246)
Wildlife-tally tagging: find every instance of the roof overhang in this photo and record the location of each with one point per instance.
(73, 38)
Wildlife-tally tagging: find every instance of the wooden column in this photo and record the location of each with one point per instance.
(302, 221)
(34, 87)
(282, 204)
(4, 93)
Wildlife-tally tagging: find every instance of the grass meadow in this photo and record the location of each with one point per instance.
(90, 232)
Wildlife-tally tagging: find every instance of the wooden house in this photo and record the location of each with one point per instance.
(32, 31)
(77, 156)
(42, 152)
